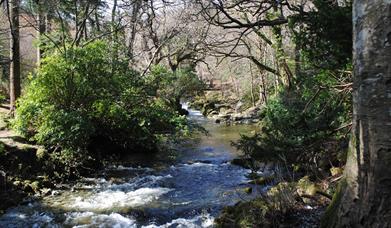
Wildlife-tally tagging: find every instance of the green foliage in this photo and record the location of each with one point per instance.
(172, 86)
(297, 122)
(79, 103)
(305, 124)
(325, 34)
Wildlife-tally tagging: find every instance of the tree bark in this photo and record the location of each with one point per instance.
(114, 35)
(364, 198)
(15, 89)
(41, 20)
(134, 18)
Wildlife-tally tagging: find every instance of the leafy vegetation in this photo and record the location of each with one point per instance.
(80, 107)
(309, 123)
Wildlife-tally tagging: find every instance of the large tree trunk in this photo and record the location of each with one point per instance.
(14, 54)
(364, 198)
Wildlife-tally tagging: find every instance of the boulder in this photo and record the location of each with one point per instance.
(306, 189)
(253, 111)
(213, 113)
(238, 106)
(237, 117)
(46, 191)
(224, 116)
(229, 111)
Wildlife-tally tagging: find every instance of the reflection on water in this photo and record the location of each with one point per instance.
(186, 193)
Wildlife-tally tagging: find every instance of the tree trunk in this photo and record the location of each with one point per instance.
(14, 54)
(252, 86)
(114, 35)
(364, 197)
(135, 13)
(41, 20)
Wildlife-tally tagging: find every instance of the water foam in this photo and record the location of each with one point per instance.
(129, 168)
(201, 221)
(118, 199)
(90, 219)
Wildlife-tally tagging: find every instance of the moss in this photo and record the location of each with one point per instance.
(17, 183)
(3, 121)
(336, 171)
(248, 190)
(2, 149)
(306, 187)
(41, 153)
(329, 217)
(262, 180)
(35, 186)
(245, 214)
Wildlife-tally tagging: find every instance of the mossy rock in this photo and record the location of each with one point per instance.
(248, 190)
(41, 153)
(336, 171)
(306, 187)
(35, 186)
(2, 149)
(17, 183)
(262, 180)
(245, 214)
(281, 188)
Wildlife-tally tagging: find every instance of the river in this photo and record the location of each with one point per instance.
(187, 190)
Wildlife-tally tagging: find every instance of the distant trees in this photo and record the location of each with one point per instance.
(258, 32)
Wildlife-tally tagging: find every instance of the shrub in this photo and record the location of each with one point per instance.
(80, 103)
(296, 123)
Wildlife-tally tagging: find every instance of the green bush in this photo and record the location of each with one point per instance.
(297, 123)
(79, 103)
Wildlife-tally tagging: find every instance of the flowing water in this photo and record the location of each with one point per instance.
(187, 190)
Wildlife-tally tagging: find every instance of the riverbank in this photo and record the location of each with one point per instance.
(286, 198)
(22, 172)
(226, 110)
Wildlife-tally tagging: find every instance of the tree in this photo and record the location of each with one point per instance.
(364, 196)
(15, 89)
(41, 27)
